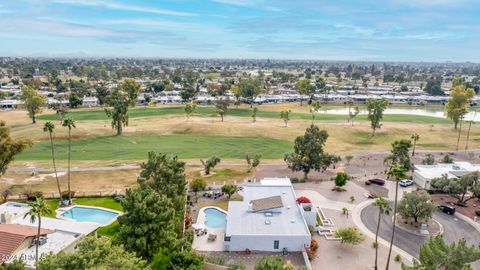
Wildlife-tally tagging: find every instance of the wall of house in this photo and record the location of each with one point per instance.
(421, 181)
(265, 242)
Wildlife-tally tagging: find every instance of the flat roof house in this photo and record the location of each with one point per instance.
(268, 219)
(424, 174)
(58, 235)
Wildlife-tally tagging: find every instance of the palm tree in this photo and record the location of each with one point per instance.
(314, 109)
(415, 137)
(49, 127)
(70, 123)
(383, 208)
(398, 172)
(38, 208)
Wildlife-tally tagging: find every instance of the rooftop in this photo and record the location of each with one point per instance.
(285, 219)
(452, 170)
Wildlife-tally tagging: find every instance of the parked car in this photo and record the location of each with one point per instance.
(406, 182)
(447, 209)
(378, 181)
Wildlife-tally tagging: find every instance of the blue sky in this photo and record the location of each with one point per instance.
(397, 30)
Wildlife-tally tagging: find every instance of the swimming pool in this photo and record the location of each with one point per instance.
(91, 214)
(215, 218)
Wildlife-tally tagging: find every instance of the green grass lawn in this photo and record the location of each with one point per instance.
(210, 111)
(136, 147)
(107, 202)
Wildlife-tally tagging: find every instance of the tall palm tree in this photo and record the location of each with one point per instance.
(383, 208)
(38, 208)
(398, 172)
(69, 123)
(415, 137)
(49, 127)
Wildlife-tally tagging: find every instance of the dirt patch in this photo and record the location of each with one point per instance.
(469, 210)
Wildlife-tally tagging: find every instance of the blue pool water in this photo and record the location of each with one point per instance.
(215, 218)
(90, 214)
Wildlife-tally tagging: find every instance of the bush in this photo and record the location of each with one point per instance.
(314, 245)
(65, 194)
(398, 258)
(32, 195)
(303, 200)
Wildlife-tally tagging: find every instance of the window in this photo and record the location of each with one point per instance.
(276, 244)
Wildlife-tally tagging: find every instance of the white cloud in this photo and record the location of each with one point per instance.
(243, 3)
(122, 6)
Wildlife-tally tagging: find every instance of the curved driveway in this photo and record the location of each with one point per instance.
(454, 230)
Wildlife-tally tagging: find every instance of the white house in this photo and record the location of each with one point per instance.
(424, 174)
(17, 234)
(268, 219)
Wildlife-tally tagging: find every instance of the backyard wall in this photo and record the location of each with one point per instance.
(265, 242)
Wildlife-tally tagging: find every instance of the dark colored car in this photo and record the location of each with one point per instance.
(378, 181)
(447, 209)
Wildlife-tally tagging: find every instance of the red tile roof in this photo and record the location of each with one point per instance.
(13, 235)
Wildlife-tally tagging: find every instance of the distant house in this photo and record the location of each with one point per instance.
(424, 174)
(17, 234)
(268, 219)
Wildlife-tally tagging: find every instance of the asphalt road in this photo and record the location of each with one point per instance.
(454, 230)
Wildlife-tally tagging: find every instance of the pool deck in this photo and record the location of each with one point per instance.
(201, 243)
(59, 212)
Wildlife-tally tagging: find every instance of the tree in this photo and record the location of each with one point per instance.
(148, 222)
(428, 160)
(434, 88)
(397, 170)
(101, 92)
(249, 88)
(190, 109)
(447, 159)
(69, 123)
(350, 235)
(285, 116)
(210, 163)
(340, 179)
(375, 108)
(304, 87)
(269, 263)
(187, 260)
(33, 101)
(252, 161)
(309, 153)
(314, 109)
(415, 137)
(49, 127)
(165, 175)
(458, 103)
(37, 208)
(348, 158)
(254, 114)
(353, 115)
(198, 185)
(400, 154)
(457, 187)
(229, 189)
(222, 107)
(74, 100)
(415, 205)
(9, 147)
(16, 264)
(93, 253)
(120, 100)
(435, 254)
(383, 209)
